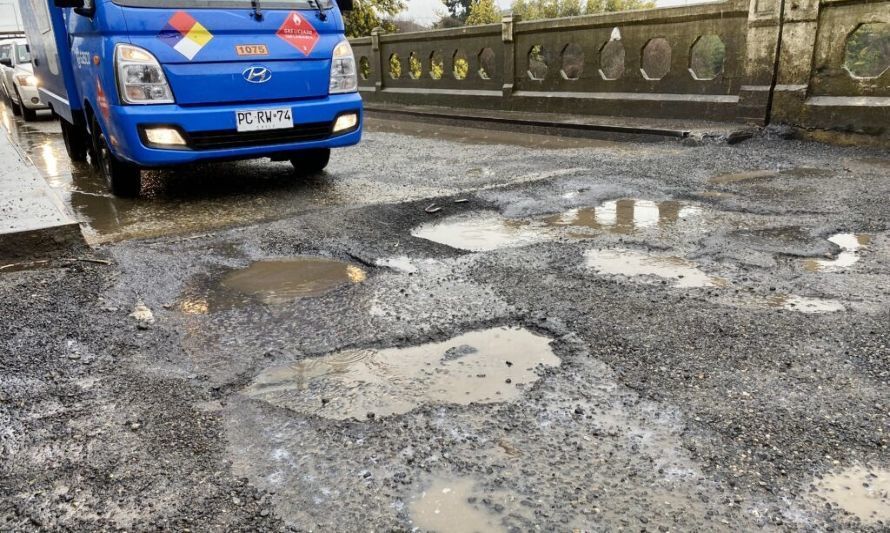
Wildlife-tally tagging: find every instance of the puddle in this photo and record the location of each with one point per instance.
(624, 216)
(803, 304)
(272, 282)
(753, 175)
(480, 233)
(485, 366)
(491, 231)
(402, 264)
(862, 492)
(453, 506)
(682, 272)
(850, 244)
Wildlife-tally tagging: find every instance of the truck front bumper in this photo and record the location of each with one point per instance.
(210, 131)
(30, 97)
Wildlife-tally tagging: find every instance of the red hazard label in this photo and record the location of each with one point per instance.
(298, 32)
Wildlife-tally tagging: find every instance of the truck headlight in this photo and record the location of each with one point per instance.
(27, 80)
(140, 77)
(343, 73)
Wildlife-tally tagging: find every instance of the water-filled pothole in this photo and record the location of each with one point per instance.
(453, 506)
(491, 231)
(682, 272)
(483, 366)
(273, 282)
(860, 491)
(850, 244)
(804, 304)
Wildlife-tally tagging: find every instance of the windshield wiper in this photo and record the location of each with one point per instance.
(321, 14)
(257, 14)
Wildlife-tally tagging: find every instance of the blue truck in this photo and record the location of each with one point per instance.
(157, 83)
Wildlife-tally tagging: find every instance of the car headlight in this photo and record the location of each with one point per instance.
(27, 80)
(140, 77)
(343, 72)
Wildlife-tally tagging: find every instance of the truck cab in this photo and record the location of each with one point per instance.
(158, 83)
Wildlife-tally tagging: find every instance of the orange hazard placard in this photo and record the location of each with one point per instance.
(298, 32)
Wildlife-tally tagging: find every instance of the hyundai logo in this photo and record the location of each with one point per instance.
(257, 74)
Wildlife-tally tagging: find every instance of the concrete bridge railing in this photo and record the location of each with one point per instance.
(810, 63)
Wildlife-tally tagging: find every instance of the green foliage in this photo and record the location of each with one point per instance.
(461, 66)
(395, 66)
(415, 67)
(484, 12)
(708, 54)
(364, 67)
(545, 9)
(366, 15)
(868, 50)
(437, 66)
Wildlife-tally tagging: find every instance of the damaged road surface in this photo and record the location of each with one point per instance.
(594, 337)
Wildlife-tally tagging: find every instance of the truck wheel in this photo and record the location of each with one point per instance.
(123, 179)
(29, 115)
(76, 141)
(311, 161)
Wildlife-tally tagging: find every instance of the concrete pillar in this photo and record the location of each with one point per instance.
(508, 27)
(795, 70)
(762, 47)
(377, 60)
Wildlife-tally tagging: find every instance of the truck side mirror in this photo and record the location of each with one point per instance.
(68, 3)
(6, 62)
(344, 5)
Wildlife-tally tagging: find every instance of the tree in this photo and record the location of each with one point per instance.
(484, 12)
(544, 9)
(459, 9)
(366, 15)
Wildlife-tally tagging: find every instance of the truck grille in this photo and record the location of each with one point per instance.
(215, 140)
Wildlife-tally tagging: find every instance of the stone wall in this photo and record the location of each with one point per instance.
(754, 61)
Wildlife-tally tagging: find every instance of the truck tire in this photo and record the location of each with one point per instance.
(123, 179)
(77, 142)
(28, 115)
(16, 108)
(310, 161)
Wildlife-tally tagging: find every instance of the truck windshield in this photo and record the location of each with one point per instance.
(224, 4)
(22, 53)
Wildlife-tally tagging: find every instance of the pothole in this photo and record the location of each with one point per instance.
(753, 175)
(485, 366)
(272, 282)
(850, 244)
(860, 491)
(682, 272)
(451, 505)
(491, 231)
(804, 304)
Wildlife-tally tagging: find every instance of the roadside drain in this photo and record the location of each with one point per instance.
(484, 366)
(453, 506)
(861, 492)
(481, 232)
(273, 281)
(850, 244)
(682, 272)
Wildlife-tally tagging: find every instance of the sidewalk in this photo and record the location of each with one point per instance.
(597, 127)
(33, 220)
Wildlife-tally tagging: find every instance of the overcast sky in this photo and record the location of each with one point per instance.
(428, 11)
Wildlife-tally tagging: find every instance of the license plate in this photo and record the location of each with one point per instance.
(264, 119)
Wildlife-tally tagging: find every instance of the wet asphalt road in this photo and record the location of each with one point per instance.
(459, 330)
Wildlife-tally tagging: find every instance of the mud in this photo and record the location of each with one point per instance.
(481, 367)
(860, 491)
(454, 505)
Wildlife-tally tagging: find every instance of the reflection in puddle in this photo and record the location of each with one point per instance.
(850, 244)
(481, 233)
(803, 304)
(484, 366)
(624, 216)
(683, 272)
(452, 506)
(273, 282)
(860, 491)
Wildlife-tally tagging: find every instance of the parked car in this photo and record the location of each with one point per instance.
(18, 79)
